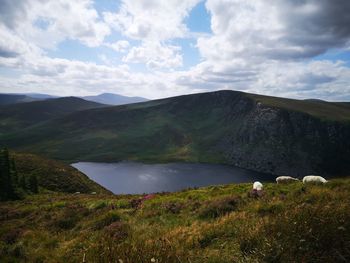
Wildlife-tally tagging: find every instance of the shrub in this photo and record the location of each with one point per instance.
(173, 207)
(207, 238)
(118, 231)
(270, 209)
(135, 203)
(136, 250)
(123, 203)
(65, 223)
(98, 205)
(70, 217)
(13, 251)
(315, 233)
(12, 235)
(106, 220)
(219, 207)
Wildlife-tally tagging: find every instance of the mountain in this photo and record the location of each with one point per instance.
(104, 98)
(6, 99)
(18, 116)
(54, 175)
(13, 98)
(261, 133)
(40, 96)
(114, 99)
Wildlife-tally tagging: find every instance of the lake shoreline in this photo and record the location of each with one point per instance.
(130, 177)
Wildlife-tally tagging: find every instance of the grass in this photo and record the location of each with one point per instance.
(54, 175)
(331, 111)
(289, 223)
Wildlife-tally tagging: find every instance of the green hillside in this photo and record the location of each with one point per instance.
(54, 175)
(21, 115)
(337, 111)
(289, 223)
(163, 130)
(265, 134)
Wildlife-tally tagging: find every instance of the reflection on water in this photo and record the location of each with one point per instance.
(138, 178)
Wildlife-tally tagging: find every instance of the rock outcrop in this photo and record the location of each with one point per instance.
(284, 142)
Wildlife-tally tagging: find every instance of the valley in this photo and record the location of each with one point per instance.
(260, 133)
(69, 217)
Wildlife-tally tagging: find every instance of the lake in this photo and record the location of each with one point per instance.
(139, 178)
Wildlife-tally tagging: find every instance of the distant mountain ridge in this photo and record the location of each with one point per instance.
(40, 96)
(103, 98)
(22, 115)
(114, 99)
(13, 98)
(7, 99)
(261, 133)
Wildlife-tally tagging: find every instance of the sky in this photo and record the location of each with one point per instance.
(160, 48)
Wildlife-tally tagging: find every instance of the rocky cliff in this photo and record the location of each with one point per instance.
(280, 141)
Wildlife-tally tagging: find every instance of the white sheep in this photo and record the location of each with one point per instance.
(257, 186)
(285, 179)
(314, 178)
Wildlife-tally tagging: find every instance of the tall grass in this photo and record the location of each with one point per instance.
(290, 223)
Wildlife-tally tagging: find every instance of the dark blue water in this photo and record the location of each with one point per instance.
(138, 178)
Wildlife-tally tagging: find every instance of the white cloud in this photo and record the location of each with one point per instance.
(258, 46)
(275, 29)
(152, 19)
(71, 77)
(155, 55)
(153, 23)
(62, 19)
(119, 46)
(266, 46)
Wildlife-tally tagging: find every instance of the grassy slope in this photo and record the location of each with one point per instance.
(54, 175)
(170, 129)
(334, 111)
(18, 116)
(179, 128)
(290, 223)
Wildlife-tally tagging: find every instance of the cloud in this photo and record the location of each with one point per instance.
(63, 19)
(267, 46)
(275, 29)
(155, 55)
(12, 12)
(153, 23)
(8, 53)
(72, 77)
(294, 79)
(119, 46)
(258, 46)
(151, 20)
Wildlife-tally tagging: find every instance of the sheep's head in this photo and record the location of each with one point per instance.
(257, 186)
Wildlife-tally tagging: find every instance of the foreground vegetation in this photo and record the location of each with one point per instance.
(12, 185)
(23, 174)
(53, 175)
(289, 223)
